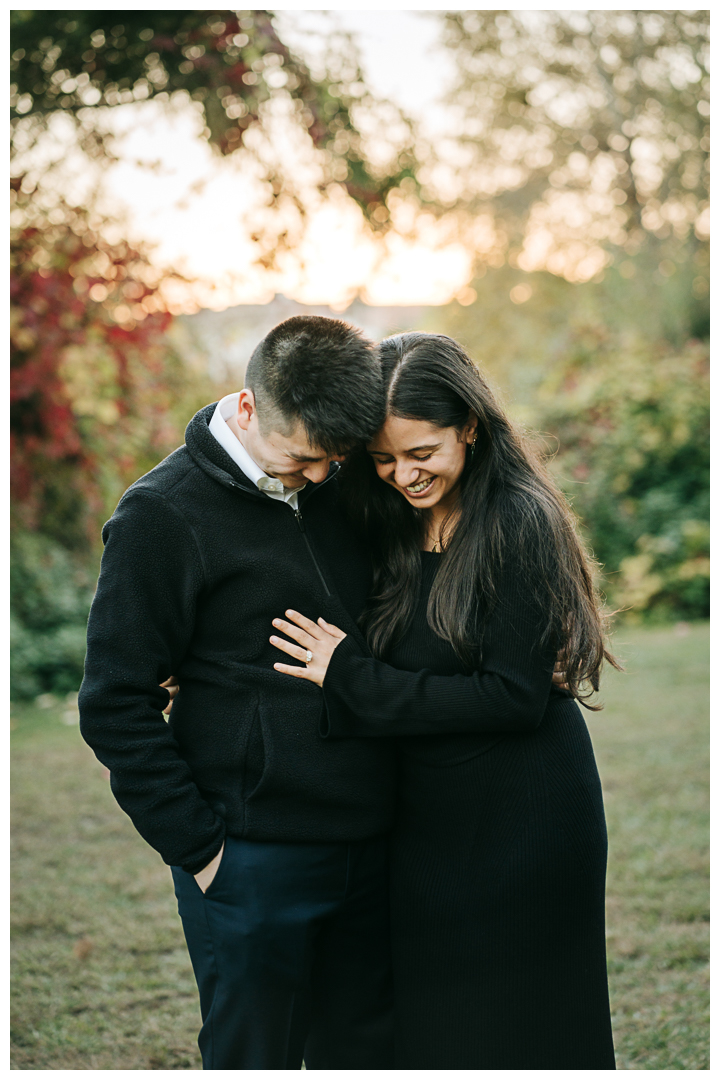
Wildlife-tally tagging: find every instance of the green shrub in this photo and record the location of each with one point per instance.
(50, 596)
(632, 422)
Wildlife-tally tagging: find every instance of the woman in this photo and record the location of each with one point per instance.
(500, 843)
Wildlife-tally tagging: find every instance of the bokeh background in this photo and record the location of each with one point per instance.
(534, 184)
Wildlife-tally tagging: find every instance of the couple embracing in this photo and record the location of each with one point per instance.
(379, 803)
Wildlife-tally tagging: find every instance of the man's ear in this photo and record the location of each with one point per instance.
(246, 408)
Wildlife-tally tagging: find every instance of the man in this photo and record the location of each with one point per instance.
(276, 838)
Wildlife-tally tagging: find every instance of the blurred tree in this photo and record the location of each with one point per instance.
(97, 394)
(232, 62)
(576, 132)
(93, 383)
(518, 326)
(632, 422)
(93, 379)
(97, 397)
(92, 376)
(50, 595)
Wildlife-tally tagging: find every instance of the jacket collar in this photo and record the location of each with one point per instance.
(213, 459)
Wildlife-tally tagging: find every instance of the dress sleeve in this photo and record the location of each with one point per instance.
(141, 622)
(507, 694)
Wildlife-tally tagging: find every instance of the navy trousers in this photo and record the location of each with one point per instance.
(290, 946)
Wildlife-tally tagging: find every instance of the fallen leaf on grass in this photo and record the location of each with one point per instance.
(83, 948)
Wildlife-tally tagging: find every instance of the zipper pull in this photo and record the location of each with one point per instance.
(299, 519)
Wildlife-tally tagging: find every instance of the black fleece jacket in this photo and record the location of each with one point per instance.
(197, 563)
(508, 693)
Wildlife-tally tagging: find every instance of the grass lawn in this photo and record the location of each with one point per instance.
(651, 743)
(101, 977)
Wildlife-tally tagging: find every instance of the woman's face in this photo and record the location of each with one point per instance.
(422, 461)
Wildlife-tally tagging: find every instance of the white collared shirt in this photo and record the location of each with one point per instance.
(219, 427)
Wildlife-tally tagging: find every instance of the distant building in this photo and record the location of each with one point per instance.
(226, 339)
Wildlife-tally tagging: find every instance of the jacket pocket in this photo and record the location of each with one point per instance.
(255, 758)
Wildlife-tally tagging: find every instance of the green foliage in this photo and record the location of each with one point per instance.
(50, 596)
(48, 587)
(50, 662)
(97, 393)
(518, 340)
(591, 126)
(613, 373)
(98, 396)
(632, 422)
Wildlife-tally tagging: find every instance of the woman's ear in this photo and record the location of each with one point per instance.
(471, 428)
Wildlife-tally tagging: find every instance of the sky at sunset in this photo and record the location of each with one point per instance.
(197, 209)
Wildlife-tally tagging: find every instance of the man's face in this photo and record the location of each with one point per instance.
(290, 458)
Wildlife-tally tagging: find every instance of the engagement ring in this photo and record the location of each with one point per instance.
(308, 656)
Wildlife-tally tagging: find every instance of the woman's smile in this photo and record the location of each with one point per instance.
(420, 488)
(405, 450)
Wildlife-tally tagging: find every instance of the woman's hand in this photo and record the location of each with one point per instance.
(318, 640)
(172, 687)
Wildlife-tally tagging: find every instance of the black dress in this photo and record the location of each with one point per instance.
(499, 847)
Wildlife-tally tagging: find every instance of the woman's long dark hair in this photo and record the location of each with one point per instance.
(512, 519)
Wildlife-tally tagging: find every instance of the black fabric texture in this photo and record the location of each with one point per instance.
(196, 564)
(507, 694)
(290, 946)
(498, 851)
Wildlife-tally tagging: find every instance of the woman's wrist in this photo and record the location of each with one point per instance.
(347, 648)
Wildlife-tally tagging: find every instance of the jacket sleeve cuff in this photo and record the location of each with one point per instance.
(336, 720)
(197, 865)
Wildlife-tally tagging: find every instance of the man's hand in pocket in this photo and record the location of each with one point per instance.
(205, 877)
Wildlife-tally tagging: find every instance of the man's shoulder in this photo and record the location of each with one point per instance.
(176, 496)
(193, 490)
(177, 481)
(168, 477)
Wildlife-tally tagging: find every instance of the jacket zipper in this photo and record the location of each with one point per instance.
(301, 527)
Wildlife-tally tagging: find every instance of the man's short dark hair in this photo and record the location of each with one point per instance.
(322, 372)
